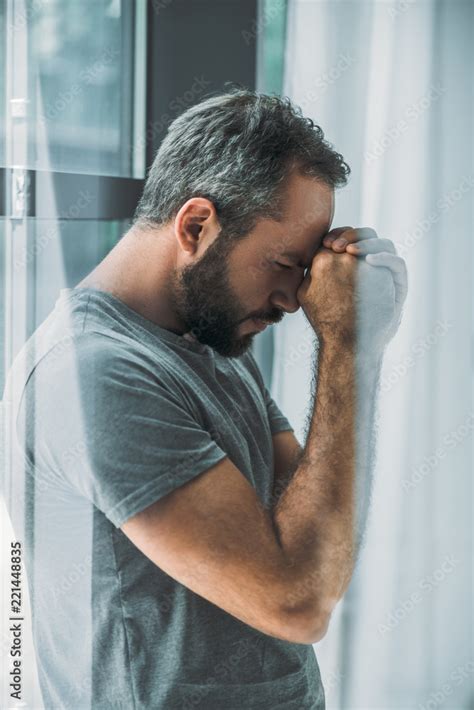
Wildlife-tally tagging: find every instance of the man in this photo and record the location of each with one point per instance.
(183, 550)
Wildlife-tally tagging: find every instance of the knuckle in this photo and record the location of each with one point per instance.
(388, 244)
(347, 259)
(368, 233)
(323, 259)
(351, 234)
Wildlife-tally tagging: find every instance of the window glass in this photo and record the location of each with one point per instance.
(82, 105)
(2, 83)
(65, 251)
(273, 37)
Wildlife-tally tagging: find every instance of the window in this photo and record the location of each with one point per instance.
(72, 163)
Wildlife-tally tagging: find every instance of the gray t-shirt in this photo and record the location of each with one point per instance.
(117, 412)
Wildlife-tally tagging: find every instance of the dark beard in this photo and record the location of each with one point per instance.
(205, 303)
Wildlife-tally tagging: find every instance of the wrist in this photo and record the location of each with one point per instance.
(368, 363)
(338, 342)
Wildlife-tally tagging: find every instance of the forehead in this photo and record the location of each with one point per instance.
(307, 216)
(308, 202)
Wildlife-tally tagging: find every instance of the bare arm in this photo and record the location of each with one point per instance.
(321, 516)
(287, 452)
(283, 572)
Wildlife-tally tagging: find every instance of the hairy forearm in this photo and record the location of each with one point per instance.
(320, 518)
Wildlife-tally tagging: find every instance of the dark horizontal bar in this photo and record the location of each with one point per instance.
(72, 196)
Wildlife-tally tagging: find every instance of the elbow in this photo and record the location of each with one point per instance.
(319, 631)
(310, 629)
(303, 624)
(298, 613)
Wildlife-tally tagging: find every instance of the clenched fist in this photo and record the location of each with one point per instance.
(355, 289)
(327, 295)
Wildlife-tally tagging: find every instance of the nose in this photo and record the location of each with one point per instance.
(285, 301)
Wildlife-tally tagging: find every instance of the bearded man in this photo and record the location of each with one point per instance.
(183, 549)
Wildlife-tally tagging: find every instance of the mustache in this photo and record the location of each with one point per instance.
(273, 317)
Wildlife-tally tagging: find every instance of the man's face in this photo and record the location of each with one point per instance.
(222, 296)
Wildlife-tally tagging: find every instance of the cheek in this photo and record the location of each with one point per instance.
(252, 282)
(264, 277)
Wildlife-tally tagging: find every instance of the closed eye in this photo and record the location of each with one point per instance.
(283, 266)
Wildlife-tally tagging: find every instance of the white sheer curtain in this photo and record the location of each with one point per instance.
(391, 85)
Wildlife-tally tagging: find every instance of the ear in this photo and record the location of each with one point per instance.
(196, 225)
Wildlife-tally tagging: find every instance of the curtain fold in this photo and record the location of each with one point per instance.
(391, 85)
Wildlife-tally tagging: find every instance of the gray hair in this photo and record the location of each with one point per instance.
(236, 149)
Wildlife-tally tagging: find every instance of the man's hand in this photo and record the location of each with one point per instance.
(350, 300)
(327, 296)
(364, 242)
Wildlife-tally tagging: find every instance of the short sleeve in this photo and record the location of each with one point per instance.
(277, 420)
(109, 426)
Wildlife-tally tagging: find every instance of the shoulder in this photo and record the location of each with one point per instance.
(97, 360)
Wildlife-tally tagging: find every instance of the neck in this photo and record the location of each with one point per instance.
(138, 272)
